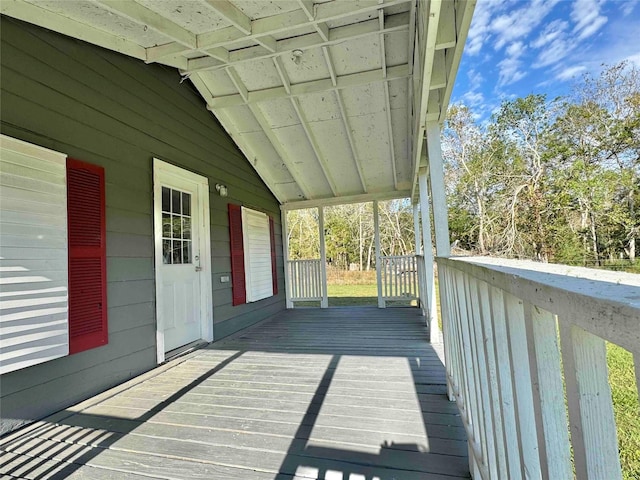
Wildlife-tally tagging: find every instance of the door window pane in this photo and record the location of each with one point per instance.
(176, 201)
(177, 251)
(176, 227)
(166, 199)
(186, 252)
(166, 251)
(186, 203)
(186, 227)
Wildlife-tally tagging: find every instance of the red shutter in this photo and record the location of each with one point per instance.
(87, 256)
(238, 287)
(274, 274)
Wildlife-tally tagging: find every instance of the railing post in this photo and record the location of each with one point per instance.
(285, 248)
(376, 232)
(324, 303)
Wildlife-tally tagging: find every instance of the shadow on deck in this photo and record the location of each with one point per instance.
(343, 393)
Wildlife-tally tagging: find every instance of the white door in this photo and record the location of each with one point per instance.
(180, 198)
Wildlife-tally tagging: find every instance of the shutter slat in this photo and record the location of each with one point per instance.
(87, 256)
(238, 286)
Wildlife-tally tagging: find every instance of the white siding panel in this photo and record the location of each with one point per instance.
(33, 259)
(257, 255)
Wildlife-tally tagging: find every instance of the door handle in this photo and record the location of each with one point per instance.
(196, 261)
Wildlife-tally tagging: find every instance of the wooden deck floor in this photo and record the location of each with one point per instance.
(344, 393)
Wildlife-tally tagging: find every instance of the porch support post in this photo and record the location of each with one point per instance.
(324, 303)
(376, 231)
(438, 196)
(285, 255)
(416, 228)
(440, 216)
(431, 311)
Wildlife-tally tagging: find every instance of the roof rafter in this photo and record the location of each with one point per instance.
(228, 124)
(383, 62)
(395, 23)
(345, 119)
(141, 14)
(59, 23)
(314, 145)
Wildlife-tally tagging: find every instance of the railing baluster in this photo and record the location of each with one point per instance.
(485, 319)
(477, 345)
(592, 423)
(521, 378)
(503, 362)
(548, 393)
(471, 363)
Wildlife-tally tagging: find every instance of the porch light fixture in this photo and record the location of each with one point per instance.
(296, 56)
(222, 189)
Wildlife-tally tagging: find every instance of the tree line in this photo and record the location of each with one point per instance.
(349, 233)
(553, 180)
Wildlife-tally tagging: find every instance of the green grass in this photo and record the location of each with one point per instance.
(347, 295)
(626, 409)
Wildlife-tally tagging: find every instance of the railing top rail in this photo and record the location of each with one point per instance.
(411, 255)
(603, 302)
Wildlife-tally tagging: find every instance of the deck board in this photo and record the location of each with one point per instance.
(310, 394)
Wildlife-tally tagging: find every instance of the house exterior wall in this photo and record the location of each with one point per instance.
(114, 111)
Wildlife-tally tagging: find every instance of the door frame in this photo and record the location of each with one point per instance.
(161, 171)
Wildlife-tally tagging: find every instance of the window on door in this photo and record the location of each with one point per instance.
(176, 227)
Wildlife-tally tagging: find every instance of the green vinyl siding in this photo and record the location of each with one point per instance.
(117, 112)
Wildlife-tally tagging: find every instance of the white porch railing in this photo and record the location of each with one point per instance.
(399, 276)
(516, 331)
(305, 280)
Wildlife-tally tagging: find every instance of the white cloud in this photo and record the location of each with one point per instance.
(473, 98)
(570, 72)
(480, 29)
(627, 6)
(510, 71)
(587, 17)
(552, 32)
(516, 49)
(519, 23)
(634, 59)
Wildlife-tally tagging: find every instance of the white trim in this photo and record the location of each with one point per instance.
(324, 303)
(327, 202)
(160, 170)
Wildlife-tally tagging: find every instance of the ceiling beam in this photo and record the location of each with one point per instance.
(383, 62)
(394, 23)
(58, 23)
(314, 145)
(284, 155)
(284, 22)
(286, 82)
(352, 144)
(345, 119)
(276, 24)
(231, 14)
(315, 86)
(421, 100)
(347, 199)
(224, 119)
(144, 16)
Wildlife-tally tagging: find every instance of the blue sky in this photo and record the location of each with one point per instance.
(518, 47)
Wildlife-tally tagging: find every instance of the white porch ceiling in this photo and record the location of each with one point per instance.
(328, 99)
